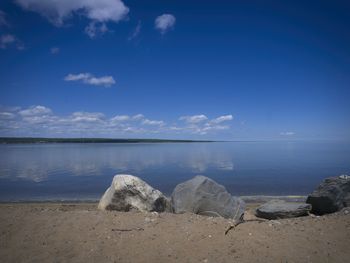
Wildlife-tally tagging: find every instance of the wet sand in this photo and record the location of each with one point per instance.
(78, 232)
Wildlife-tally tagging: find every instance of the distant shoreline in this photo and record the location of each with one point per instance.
(29, 140)
(43, 140)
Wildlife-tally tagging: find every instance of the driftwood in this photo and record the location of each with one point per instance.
(241, 221)
(127, 229)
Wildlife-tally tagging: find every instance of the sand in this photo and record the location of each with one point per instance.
(78, 232)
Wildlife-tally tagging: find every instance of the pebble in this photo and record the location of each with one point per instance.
(148, 220)
(276, 222)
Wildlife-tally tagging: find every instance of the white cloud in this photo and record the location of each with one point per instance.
(136, 31)
(152, 122)
(289, 133)
(6, 40)
(54, 50)
(222, 119)
(56, 11)
(6, 115)
(87, 117)
(37, 115)
(95, 29)
(42, 121)
(209, 127)
(120, 118)
(106, 81)
(175, 128)
(74, 77)
(200, 124)
(35, 111)
(194, 118)
(164, 23)
(9, 40)
(88, 78)
(138, 117)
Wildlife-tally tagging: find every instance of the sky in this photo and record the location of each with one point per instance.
(223, 70)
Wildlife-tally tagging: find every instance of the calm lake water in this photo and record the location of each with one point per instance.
(84, 171)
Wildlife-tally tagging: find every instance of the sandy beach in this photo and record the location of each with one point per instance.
(78, 232)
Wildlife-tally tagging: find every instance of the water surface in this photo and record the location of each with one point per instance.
(84, 171)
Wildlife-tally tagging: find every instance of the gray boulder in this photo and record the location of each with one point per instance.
(129, 192)
(277, 209)
(203, 196)
(331, 195)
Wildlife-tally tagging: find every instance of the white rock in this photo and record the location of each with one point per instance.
(129, 192)
(344, 176)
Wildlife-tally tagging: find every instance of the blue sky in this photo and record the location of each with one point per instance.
(231, 70)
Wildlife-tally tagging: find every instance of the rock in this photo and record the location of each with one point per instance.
(203, 196)
(344, 176)
(331, 195)
(129, 192)
(275, 209)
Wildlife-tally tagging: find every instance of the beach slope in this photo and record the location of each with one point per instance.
(78, 232)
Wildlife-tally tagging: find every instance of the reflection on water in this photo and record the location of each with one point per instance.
(85, 170)
(39, 162)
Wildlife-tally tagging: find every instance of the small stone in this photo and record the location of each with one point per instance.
(209, 236)
(276, 222)
(250, 234)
